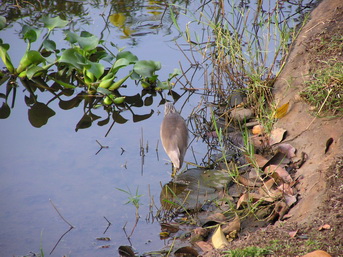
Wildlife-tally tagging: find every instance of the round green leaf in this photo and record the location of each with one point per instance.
(146, 68)
(52, 23)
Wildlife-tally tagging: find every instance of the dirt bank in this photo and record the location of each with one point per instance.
(321, 178)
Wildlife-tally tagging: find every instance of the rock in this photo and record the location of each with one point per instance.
(241, 114)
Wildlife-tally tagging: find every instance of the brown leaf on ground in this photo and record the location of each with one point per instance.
(286, 189)
(258, 159)
(204, 246)
(287, 150)
(290, 199)
(279, 211)
(317, 253)
(234, 225)
(217, 217)
(277, 135)
(325, 226)
(257, 130)
(282, 111)
(280, 171)
(252, 197)
(293, 233)
(249, 182)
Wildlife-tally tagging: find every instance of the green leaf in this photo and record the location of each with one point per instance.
(128, 56)
(49, 45)
(2, 22)
(72, 57)
(86, 40)
(5, 57)
(30, 34)
(52, 23)
(30, 57)
(31, 72)
(120, 63)
(97, 69)
(146, 68)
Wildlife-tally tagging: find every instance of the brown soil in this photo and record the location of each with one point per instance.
(321, 184)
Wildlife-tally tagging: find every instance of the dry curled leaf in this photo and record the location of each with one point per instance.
(186, 251)
(258, 159)
(287, 150)
(218, 239)
(249, 182)
(252, 197)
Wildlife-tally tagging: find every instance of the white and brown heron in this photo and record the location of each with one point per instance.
(174, 136)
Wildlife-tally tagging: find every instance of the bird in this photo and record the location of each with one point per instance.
(174, 136)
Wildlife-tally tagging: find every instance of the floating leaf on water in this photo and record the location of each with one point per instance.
(126, 251)
(55, 22)
(5, 111)
(118, 19)
(171, 228)
(103, 238)
(218, 239)
(164, 235)
(282, 111)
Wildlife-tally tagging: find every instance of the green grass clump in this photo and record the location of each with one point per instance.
(325, 91)
(251, 251)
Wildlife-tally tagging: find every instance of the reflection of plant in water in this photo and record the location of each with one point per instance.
(63, 71)
(134, 199)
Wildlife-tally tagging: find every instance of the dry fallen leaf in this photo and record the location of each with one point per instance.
(286, 189)
(234, 225)
(249, 182)
(252, 197)
(282, 111)
(258, 159)
(287, 150)
(218, 239)
(326, 226)
(217, 217)
(290, 199)
(293, 233)
(276, 136)
(257, 130)
(204, 246)
(280, 171)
